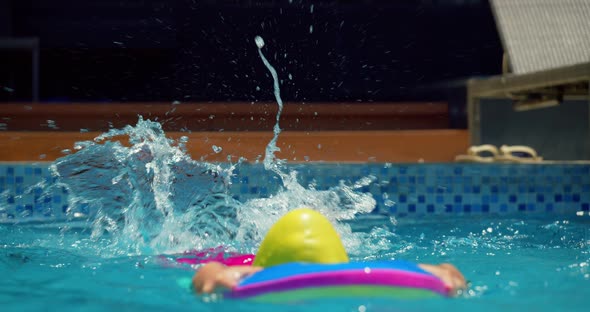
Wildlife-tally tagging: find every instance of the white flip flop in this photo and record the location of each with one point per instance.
(518, 154)
(486, 153)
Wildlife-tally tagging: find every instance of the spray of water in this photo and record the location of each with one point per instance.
(150, 197)
(339, 203)
(270, 160)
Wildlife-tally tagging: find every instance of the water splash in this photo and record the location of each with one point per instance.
(270, 160)
(148, 194)
(338, 203)
(144, 192)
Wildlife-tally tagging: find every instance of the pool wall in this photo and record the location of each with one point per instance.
(399, 189)
(407, 147)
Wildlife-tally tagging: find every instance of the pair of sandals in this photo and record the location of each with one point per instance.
(509, 154)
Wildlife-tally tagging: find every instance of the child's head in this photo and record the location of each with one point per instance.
(302, 235)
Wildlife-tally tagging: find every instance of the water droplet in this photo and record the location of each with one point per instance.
(290, 77)
(259, 42)
(512, 283)
(217, 149)
(310, 29)
(51, 124)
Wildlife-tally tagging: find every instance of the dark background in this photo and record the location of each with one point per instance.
(190, 50)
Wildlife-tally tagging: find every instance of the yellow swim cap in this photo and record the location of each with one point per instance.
(302, 235)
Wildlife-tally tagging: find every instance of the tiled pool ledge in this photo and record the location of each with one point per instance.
(398, 189)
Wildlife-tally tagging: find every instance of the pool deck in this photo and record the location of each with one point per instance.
(343, 132)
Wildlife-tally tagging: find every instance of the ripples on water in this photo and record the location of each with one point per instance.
(509, 261)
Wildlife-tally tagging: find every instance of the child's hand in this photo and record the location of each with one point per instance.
(449, 274)
(214, 275)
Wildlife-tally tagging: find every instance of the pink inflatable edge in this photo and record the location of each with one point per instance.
(216, 255)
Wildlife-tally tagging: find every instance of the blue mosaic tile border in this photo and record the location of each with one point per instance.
(399, 189)
(419, 189)
(28, 191)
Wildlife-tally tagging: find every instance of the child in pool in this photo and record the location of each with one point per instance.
(302, 235)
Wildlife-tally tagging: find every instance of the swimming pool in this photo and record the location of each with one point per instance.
(89, 230)
(539, 263)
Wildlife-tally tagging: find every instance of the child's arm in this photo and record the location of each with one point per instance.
(448, 273)
(214, 274)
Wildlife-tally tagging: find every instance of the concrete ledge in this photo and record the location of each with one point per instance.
(296, 146)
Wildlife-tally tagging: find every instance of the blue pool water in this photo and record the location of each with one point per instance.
(89, 230)
(532, 264)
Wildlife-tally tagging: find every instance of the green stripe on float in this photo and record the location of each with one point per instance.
(311, 293)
